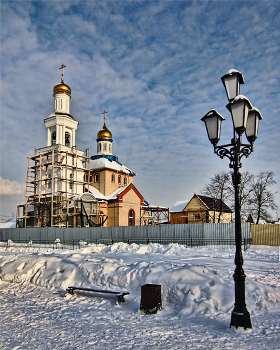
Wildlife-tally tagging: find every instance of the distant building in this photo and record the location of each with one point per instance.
(65, 187)
(200, 209)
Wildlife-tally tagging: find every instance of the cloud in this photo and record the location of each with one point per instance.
(155, 66)
(10, 188)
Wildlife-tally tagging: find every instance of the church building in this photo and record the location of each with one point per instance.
(111, 183)
(65, 187)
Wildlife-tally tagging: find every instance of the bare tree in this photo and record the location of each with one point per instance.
(218, 188)
(262, 198)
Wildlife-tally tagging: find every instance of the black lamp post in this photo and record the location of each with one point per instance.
(245, 118)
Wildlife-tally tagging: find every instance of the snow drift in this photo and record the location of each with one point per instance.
(192, 280)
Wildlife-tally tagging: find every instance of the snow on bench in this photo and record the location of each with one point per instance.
(119, 295)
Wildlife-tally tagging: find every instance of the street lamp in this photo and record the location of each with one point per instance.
(232, 81)
(245, 118)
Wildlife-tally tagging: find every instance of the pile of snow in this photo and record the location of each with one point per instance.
(197, 298)
(193, 280)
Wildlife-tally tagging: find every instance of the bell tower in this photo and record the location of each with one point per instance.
(61, 126)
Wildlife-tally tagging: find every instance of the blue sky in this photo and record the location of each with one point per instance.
(155, 66)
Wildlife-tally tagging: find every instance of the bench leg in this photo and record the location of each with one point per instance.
(70, 291)
(120, 298)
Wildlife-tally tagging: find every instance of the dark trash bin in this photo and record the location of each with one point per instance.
(150, 298)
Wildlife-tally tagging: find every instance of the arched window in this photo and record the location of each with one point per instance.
(124, 181)
(54, 138)
(99, 147)
(105, 147)
(131, 218)
(120, 180)
(110, 148)
(113, 178)
(67, 139)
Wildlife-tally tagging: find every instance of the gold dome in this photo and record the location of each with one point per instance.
(61, 89)
(104, 133)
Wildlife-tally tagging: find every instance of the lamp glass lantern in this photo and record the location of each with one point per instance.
(254, 116)
(239, 109)
(213, 122)
(232, 80)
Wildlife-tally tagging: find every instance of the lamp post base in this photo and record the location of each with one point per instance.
(240, 320)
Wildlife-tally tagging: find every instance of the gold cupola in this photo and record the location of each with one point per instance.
(104, 133)
(62, 88)
(104, 139)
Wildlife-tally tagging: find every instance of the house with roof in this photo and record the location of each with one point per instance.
(200, 209)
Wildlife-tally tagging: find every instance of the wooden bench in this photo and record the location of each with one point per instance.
(119, 295)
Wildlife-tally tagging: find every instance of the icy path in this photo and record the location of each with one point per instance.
(34, 317)
(41, 319)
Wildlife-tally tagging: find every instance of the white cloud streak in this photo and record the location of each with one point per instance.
(10, 188)
(156, 67)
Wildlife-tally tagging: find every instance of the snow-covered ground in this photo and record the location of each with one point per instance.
(197, 296)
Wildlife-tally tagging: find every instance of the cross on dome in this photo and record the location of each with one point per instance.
(104, 133)
(104, 116)
(62, 66)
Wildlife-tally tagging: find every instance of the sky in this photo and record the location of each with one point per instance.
(156, 67)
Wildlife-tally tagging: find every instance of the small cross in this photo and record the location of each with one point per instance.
(62, 66)
(105, 112)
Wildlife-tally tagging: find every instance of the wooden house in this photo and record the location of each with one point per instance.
(200, 209)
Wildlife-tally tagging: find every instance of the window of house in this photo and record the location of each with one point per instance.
(131, 218)
(120, 180)
(124, 181)
(105, 147)
(197, 217)
(67, 139)
(96, 178)
(113, 178)
(54, 138)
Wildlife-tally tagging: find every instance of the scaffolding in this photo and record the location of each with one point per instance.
(57, 178)
(154, 215)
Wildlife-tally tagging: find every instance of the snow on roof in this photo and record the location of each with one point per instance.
(98, 195)
(210, 203)
(110, 164)
(179, 206)
(9, 224)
